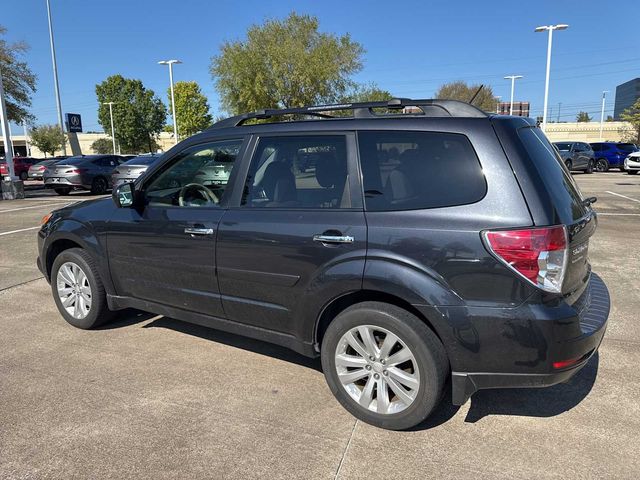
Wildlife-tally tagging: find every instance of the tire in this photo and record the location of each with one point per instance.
(24, 176)
(622, 169)
(62, 191)
(602, 165)
(99, 186)
(589, 167)
(97, 312)
(568, 164)
(632, 172)
(427, 356)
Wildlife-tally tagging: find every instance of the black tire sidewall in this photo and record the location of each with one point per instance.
(62, 191)
(98, 301)
(416, 335)
(99, 186)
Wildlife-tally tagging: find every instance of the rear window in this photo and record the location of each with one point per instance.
(559, 183)
(627, 147)
(416, 170)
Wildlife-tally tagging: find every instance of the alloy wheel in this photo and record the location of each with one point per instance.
(74, 290)
(377, 369)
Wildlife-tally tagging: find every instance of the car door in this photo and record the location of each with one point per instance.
(295, 235)
(164, 250)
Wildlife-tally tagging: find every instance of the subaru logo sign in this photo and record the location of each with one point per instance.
(74, 122)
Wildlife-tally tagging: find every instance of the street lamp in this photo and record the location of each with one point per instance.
(173, 103)
(513, 79)
(604, 96)
(55, 78)
(550, 29)
(113, 128)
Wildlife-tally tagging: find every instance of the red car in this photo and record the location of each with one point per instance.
(20, 165)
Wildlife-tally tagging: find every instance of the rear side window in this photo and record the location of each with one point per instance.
(559, 183)
(416, 170)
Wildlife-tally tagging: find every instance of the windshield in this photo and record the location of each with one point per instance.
(146, 160)
(563, 147)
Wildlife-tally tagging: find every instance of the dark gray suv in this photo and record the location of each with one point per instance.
(415, 250)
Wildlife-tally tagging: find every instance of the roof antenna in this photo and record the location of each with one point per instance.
(476, 94)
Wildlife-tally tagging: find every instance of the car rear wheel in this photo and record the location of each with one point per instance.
(98, 186)
(78, 290)
(62, 191)
(384, 365)
(24, 176)
(602, 165)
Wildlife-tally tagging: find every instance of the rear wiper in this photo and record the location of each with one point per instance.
(587, 202)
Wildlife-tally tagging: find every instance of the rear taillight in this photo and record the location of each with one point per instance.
(77, 171)
(41, 169)
(537, 254)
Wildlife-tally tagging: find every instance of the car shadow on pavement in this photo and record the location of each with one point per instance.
(535, 402)
(237, 341)
(127, 317)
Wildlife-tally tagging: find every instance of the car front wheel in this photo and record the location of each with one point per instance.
(384, 365)
(78, 290)
(602, 165)
(632, 172)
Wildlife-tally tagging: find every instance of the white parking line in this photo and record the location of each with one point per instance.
(623, 196)
(620, 214)
(34, 206)
(18, 231)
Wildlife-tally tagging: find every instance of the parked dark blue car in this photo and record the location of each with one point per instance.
(611, 154)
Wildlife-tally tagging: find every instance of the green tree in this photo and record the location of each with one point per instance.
(632, 115)
(102, 146)
(367, 93)
(138, 114)
(460, 90)
(583, 117)
(192, 108)
(283, 64)
(47, 138)
(18, 80)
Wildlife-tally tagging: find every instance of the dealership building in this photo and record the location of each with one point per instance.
(627, 94)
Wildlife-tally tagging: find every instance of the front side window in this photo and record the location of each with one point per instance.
(298, 172)
(416, 170)
(196, 177)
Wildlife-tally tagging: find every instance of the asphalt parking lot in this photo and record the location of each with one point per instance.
(155, 397)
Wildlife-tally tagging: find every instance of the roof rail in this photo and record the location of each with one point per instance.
(429, 107)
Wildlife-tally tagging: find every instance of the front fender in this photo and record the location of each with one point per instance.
(70, 230)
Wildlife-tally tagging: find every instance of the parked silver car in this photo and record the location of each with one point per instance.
(132, 169)
(632, 163)
(86, 172)
(36, 172)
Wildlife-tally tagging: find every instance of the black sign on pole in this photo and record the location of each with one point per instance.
(74, 122)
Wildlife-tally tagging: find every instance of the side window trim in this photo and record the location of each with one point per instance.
(353, 170)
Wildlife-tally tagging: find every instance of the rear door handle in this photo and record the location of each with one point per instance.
(198, 231)
(333, 238)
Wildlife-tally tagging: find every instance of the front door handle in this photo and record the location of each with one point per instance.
(333, 238)
(198, 231)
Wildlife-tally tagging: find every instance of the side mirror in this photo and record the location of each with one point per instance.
(123, 195)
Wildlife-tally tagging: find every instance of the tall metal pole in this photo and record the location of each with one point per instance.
(26, 139)
(55, 78)
(559, 106)
(513, 79)
(173, 103)
(546, 81)
(4, 120)
(113, 128)
(604, 96)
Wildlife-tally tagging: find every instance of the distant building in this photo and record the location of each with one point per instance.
(520, 109)
(626, 95)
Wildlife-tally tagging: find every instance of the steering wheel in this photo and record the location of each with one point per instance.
(203, 191)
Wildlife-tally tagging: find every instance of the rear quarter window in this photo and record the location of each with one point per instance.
(418, 170)
(558, 182)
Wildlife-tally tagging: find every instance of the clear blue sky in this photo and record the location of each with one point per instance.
(412, 46)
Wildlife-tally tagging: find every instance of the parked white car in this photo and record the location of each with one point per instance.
(632, 163)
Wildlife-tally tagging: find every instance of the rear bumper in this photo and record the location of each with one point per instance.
(591, 312)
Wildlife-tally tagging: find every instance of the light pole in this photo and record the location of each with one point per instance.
(26, 139)
(513, 79)
(173, 103)
(4, 120)
(550, 29)
(113, 128)
(498, 97)
(55, 78)
(604, 96)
